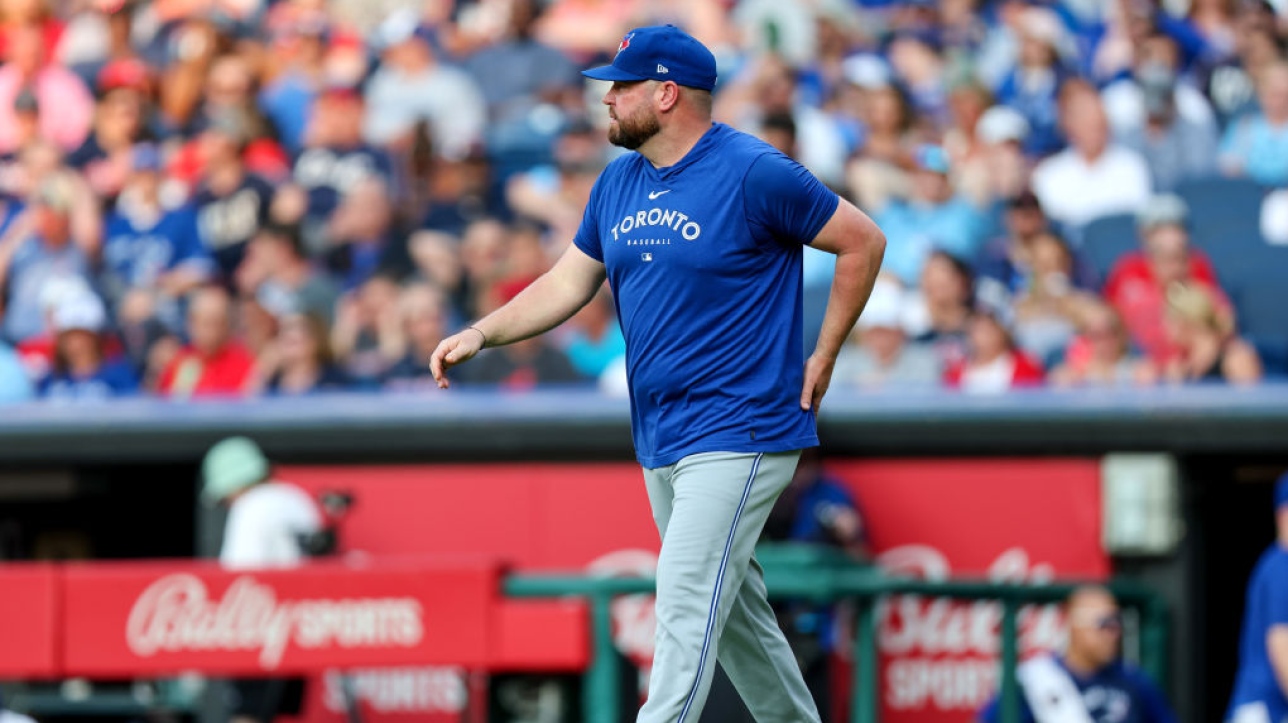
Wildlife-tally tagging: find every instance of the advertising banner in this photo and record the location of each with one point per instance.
(127, 620)
(28, 616)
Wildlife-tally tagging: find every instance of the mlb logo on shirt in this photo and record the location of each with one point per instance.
(646, 256)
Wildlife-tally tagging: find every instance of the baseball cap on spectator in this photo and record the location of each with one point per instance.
(401, 26)
(884, 309)
(26, 102)
(1001, 124)
(660, 52)
(1045, 26)
(80, 312)
(1165, 209)
(123, 73)
(867, 71)
(931, 158)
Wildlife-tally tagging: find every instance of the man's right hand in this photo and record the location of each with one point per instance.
(453, 350)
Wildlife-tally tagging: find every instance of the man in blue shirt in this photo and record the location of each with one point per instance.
(700, 235)
(1261, 685)
(1089, 683)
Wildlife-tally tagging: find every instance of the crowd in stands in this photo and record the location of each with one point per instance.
(278, 197)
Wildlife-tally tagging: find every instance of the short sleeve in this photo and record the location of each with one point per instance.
(587, 238)
(1276, 592)
(784, 201)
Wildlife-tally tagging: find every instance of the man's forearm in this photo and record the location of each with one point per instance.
(543, 305)
(1277, 650)
(856, 273)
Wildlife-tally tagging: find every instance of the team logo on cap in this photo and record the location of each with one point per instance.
(626, 42)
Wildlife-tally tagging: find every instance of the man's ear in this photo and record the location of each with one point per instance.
(667, 95)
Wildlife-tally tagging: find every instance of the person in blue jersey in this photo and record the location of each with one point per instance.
(1089, 682)
(700, 235)
(1261, 684)
(152, 248)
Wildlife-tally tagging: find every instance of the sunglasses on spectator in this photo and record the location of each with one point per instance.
(1104, 622)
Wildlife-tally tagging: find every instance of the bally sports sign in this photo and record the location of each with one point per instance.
(137, 619)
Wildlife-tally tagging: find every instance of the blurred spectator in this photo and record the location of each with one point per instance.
(1093, 177)
(940, 309)
(557, 195)
(594, 340)
(996, 169)
(424, 311)
(526, 84)
(876, 172)
(1259, 691)
(296, 60)
(1009, 258)
(229, 97)
(1137, 285)
(992, 364)
(522, 365)
(81, 370)
(1089, 681)
(152, 253)
(1256, 146)
(362, 235)
(190, 47)
(106, 156)
(335, 159)
(878, 354)
(1229, 82)
(65, 105)
(212, 363)
(299, 361)
(1048, 306)
(277, 272)
(916, 56)
(1206, 348)
(41, 246)
(437, 260)
(932, 218)
(585, 29)
(1153, 87)
(367, 338)
(484, 250)
(1033, 86)
(231, 201)
(411, 85)
(1214, 20)
(1101, 354)
(460, 192)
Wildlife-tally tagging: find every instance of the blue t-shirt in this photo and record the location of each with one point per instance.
(1261, 148)
(1266, 606)
(913, 231)
(114, 378)
(327, 173)
(227, 223)
(137, 253)
(704, 259)
(1114, 694)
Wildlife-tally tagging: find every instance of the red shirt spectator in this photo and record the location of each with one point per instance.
(1137, 285)
(213, 363)
(992, 364)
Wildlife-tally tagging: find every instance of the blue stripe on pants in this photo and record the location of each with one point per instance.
(715, 596)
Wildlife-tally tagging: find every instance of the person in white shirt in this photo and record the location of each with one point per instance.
(268, 521)
(1092, 177)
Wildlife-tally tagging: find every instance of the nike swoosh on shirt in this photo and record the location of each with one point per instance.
(652, 196)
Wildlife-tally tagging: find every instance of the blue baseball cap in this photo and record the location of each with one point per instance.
(660, 52)
(1281, 492)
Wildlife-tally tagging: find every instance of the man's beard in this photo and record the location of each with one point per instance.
(634, 132)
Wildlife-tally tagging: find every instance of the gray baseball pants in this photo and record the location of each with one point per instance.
(710, 509)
